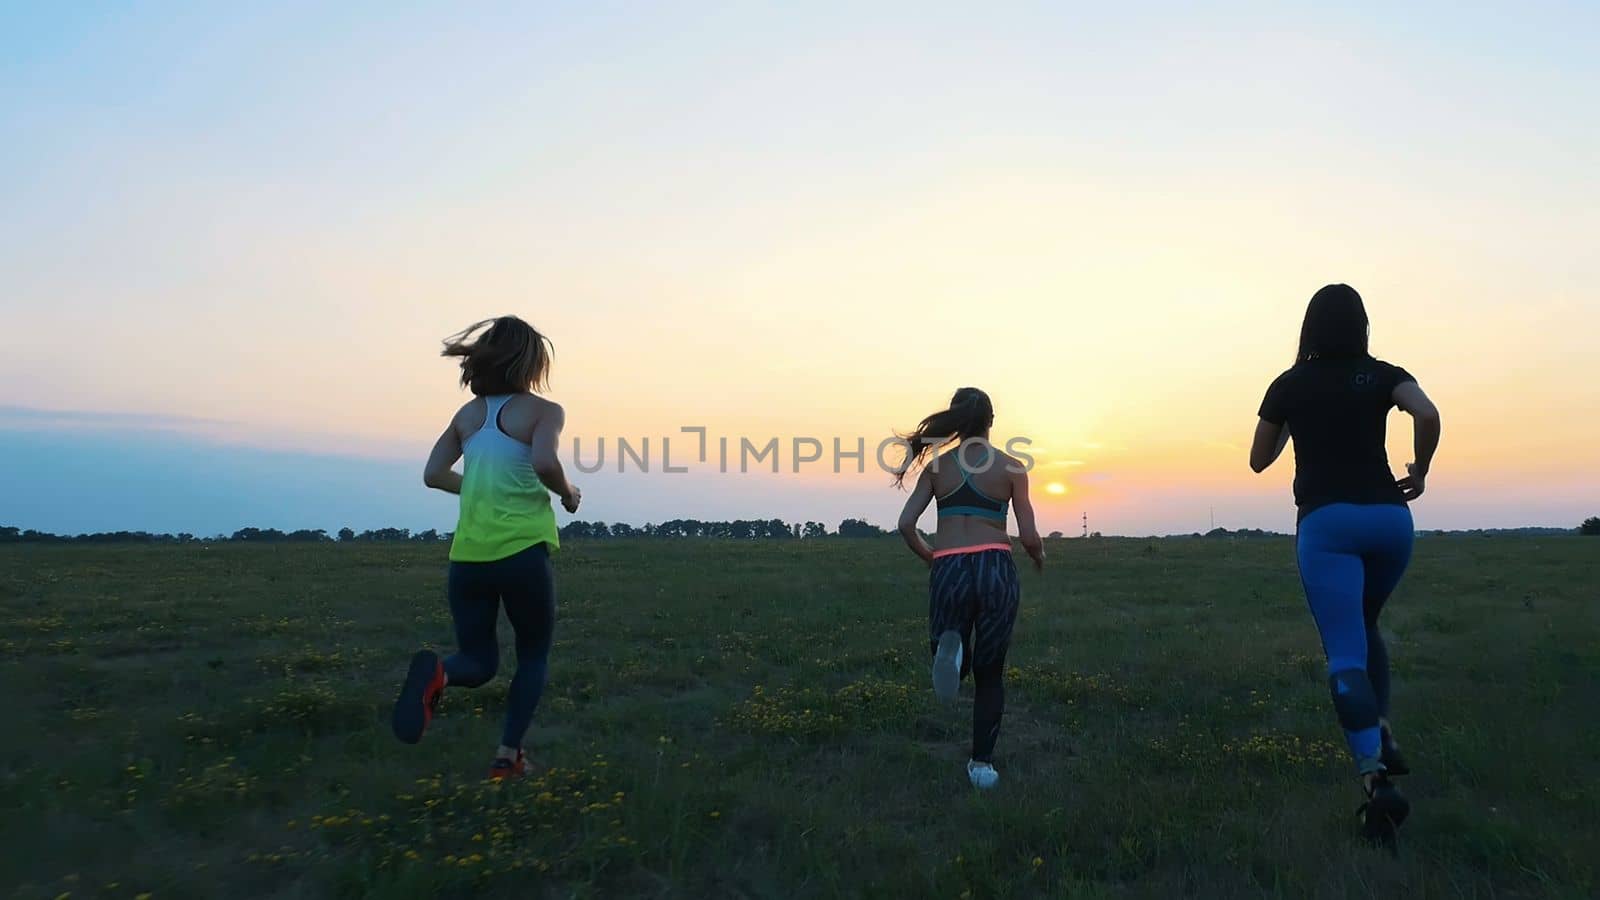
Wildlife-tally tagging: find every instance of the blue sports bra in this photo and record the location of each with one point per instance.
(967, 500)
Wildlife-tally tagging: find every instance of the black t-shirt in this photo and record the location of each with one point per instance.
(1337, 411)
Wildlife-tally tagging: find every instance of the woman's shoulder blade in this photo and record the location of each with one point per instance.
(470, 416)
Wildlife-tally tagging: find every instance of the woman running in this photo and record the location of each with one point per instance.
(505, 533)
(1355, 530)
(972, 584)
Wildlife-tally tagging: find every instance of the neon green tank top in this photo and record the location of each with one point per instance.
(505, 509)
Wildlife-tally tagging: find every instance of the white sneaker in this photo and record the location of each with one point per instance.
(947, 667)
(982, 775)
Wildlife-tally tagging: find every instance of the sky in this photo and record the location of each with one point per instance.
(233, 239)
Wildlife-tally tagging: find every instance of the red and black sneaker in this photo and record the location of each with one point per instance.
(419, 696)
(502, 768)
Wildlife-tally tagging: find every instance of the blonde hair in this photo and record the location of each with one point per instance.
(501, 356)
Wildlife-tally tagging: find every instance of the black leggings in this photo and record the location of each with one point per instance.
(525, 584)
(977, 595)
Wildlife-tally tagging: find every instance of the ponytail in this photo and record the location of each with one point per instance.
(969, 415)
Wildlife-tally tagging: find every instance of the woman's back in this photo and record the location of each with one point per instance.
(1337, 411)
(972, 487)
(505, 508)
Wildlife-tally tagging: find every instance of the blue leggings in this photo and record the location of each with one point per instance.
(526, 585)
(1351, 558)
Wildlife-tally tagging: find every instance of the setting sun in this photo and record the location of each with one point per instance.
(1055, 487)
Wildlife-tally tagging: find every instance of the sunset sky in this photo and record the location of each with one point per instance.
(232, 241)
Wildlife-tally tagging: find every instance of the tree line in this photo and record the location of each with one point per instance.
(12, 535)
(739, 529)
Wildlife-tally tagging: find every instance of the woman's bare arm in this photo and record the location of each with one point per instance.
(921, 496)
(546, 461)
(1271, 438)
(1410, 397)
(1027, 525)
(438, 472)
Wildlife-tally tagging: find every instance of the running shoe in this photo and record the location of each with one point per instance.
(502, 768)
(982, 775)
(419, 696)
(1386, 808)
(947, 667)
(1390, 755)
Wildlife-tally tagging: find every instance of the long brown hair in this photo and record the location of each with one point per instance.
(969, 415)
(501, 356)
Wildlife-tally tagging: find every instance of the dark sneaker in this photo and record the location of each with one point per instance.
(419, 696)
(1392, 759)
(502, 769)
(1383, 813)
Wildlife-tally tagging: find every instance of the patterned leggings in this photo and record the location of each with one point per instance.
(976, 595)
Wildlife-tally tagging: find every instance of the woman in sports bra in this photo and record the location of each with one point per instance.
(505, 533)
(972, 583)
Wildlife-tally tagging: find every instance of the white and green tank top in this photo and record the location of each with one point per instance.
(505, 508)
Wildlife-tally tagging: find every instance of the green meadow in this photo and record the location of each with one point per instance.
(753, 719)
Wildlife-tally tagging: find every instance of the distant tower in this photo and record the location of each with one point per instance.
(1085, 524)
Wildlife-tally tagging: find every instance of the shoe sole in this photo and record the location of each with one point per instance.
(946, 670)
(410, 714)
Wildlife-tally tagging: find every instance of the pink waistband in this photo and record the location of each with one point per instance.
(976, 548)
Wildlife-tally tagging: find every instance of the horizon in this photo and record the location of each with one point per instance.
(220, 474)
(647, 531)
(237, 237)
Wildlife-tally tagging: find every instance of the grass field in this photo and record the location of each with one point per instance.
(753, 720)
